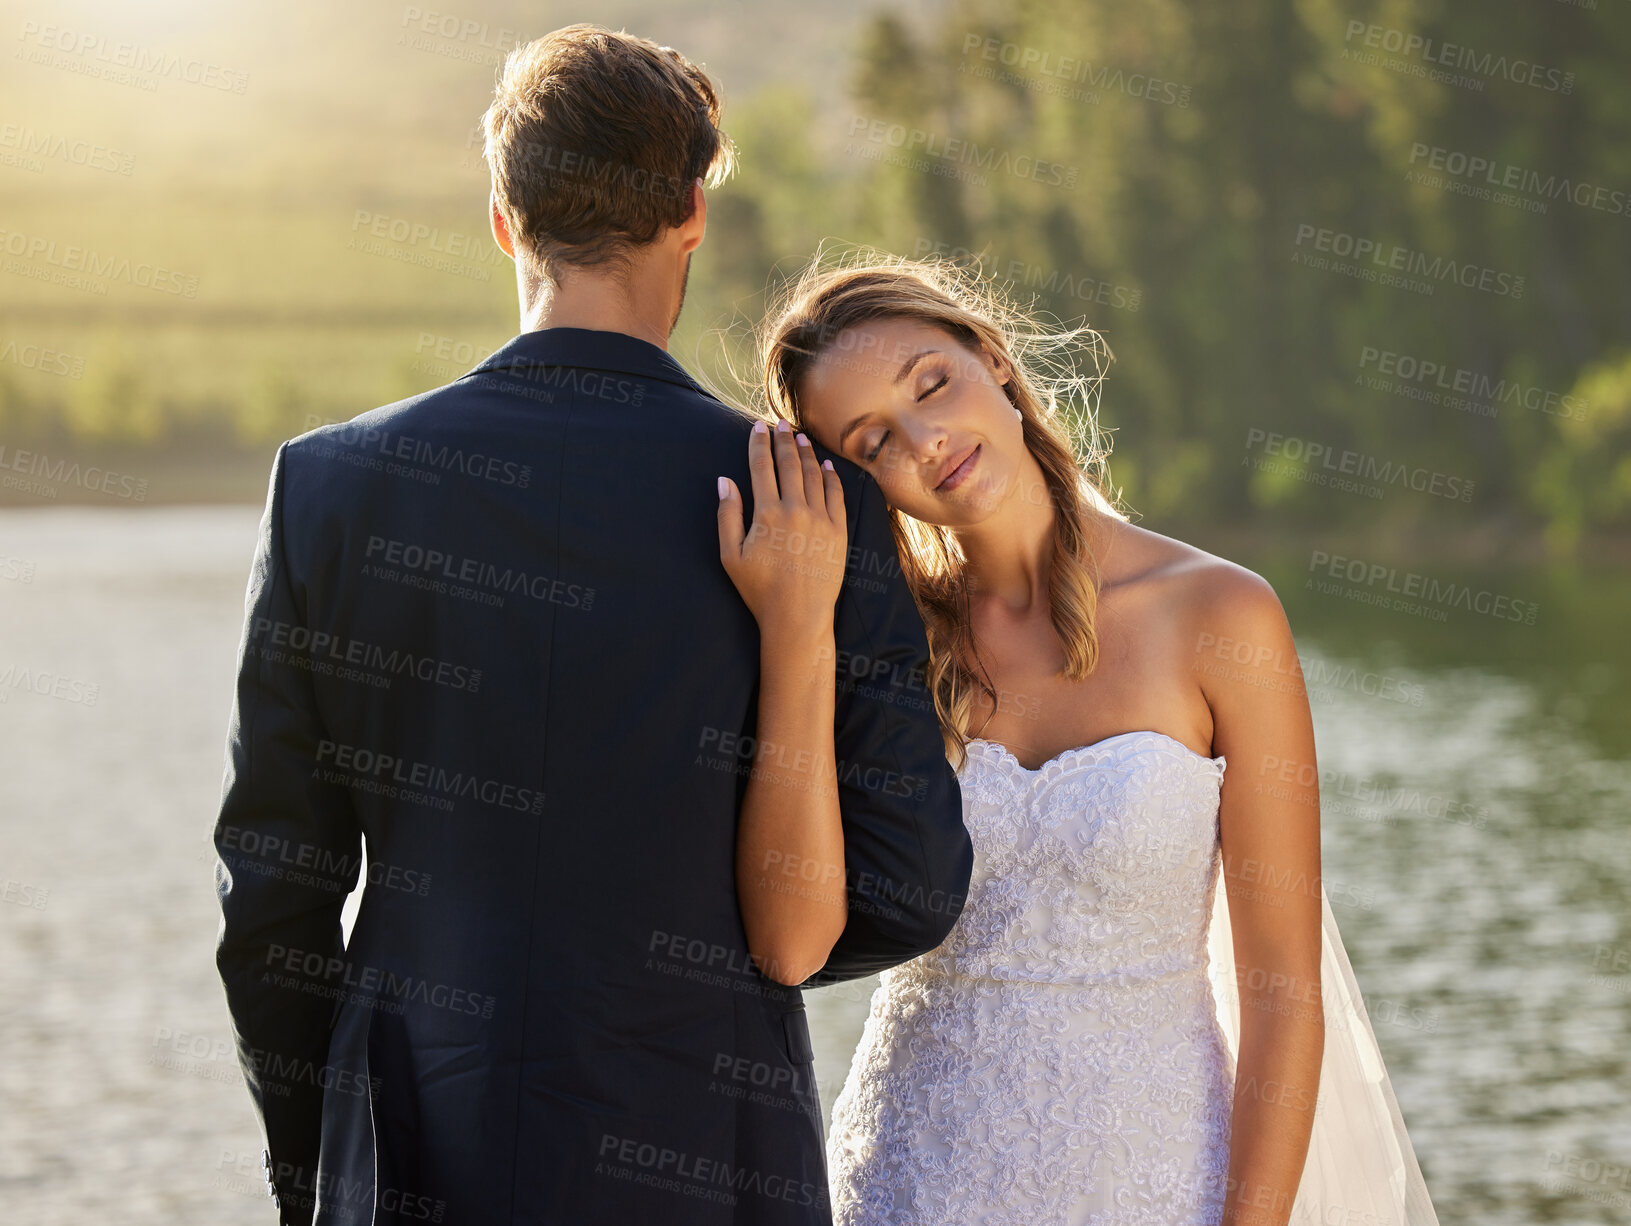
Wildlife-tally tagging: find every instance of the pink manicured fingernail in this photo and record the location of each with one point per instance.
(827, 464)
(782, 427)
(758, 427)
(724, 489)
(803, 442)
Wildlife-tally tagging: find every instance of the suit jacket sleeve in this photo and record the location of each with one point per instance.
(289, 851)
(907, 855)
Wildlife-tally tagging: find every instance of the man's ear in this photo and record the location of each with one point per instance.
(501, 228)
(695, 226)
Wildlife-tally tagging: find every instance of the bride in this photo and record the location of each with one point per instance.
(1144, 1013)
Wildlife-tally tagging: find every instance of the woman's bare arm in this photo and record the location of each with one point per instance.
(1269, 828)
(789, 569)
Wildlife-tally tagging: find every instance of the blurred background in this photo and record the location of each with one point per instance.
(1364, 270)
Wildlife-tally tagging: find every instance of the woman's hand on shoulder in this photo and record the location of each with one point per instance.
(789, 565)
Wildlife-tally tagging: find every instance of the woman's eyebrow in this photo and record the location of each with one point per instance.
(906, 367)
(847, 430)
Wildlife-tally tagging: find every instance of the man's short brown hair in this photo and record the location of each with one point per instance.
(594, 138)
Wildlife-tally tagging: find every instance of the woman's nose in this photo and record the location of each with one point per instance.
(929, 438)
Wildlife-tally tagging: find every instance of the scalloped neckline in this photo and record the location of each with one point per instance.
(1063, 754)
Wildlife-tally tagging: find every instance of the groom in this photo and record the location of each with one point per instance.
(487, 629)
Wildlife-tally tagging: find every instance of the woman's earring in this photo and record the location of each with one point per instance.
(1019, 415)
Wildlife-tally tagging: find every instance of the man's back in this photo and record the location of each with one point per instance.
(489, 631)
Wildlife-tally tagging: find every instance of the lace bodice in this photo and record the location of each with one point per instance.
(1058, 1058)
(1098, 865)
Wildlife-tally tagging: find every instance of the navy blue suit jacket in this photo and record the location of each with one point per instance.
(487, 633)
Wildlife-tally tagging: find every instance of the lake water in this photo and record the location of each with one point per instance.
(1475, 818)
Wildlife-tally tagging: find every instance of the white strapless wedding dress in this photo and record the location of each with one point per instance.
(1067, 1056)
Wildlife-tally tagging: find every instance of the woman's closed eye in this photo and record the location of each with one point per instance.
(927, 392)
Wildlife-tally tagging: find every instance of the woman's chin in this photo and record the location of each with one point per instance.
(955, 513)
(977, 499)
(969, 504)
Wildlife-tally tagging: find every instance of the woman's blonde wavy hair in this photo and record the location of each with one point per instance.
(1057, 400)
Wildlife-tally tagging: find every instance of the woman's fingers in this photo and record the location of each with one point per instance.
(761, 466)
(835, 496)
(810, 473)
(788, 565)
(730, 522)
(789, 470)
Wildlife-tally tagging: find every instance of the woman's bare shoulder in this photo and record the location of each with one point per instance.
(1133, 554)
(1212, 594)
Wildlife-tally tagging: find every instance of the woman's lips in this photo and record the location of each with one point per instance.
(960, 474)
